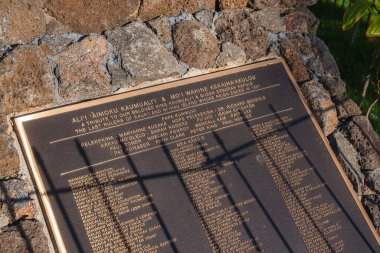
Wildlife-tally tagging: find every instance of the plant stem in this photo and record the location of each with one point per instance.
(367, 78)
(370, 107)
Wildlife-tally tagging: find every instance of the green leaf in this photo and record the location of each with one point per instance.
(373, 29)
(354, 13)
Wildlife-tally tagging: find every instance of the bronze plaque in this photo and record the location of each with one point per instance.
(231, 161)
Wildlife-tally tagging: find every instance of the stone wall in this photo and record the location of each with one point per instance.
(57, 52)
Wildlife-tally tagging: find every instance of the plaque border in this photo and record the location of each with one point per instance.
(34, 170)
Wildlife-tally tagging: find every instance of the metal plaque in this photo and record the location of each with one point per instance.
(231, 161)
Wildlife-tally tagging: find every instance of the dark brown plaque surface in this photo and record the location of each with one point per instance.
(225, 162)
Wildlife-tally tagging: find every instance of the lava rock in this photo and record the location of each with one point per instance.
(321, 104)
(21, 21)
(195, 45)
(232, 4)
(153, 8)
(26, 80)
(263, 4)
(236, 26)
(299, 3)
(302, 44)
(372, 205)
(16, 202)
(294, 60)
(346, 107)
(9, 160)
(23, 236)
(93, 16)
(334, 85)
(365, 140)
(143, 55)
(324, 55)
(373, 180)
(230, 55)
(206, 17)
(53, 45)
(161, 28)
(301, 20)
(81, 70)
(349, 159)
(269, 20)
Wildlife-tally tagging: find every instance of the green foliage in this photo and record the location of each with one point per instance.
(357, 10)
(354, 13)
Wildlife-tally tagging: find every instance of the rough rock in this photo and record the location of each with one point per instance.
(324, 56)
(263, 4)
(206, 17)
(232, 4)
(23, 236)
(321, 104)
(373, 180)
(269, 20)
(9, 160)
(195, 44)
(143, 55)
(81, 69)
(348, 158)
(236, 26)
(334, 85)
(161, 28)
(54, 26)
(93, 16)
(365, 140)
(293, 59)
(299, 3)
(53, 45)
(153, 8)
(21, 21)
(302, 43)
(230, 55)
(301, 20)
(16, 202)
(26, 80)
(346, 107)
(372, 204)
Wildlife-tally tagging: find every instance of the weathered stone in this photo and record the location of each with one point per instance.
(324, 55)
(9, 160)
(361, 134)
(81, 69)
(263, 4)
(206, 17)
(21, 21)
(232, 4)
(301, 20)
(154, 8)
(54, 26)
(334, 85)
(161, 28)
(236, 26)
(321, 104)
(346, 107)
(26, 80)
(230, 55)
(16, 202)
(294, 61)
(299, 3)
(301, 43)
(348, 158)
(372, 205)
(23, 236)
(269, 20)
(195, 44)
(93, 16)
(373, 180)
(53, 45)
(143, 55)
